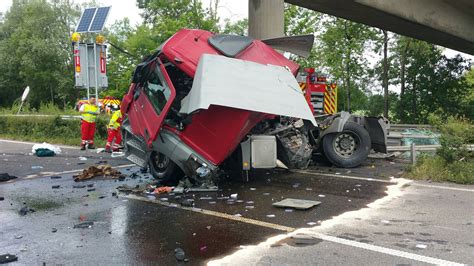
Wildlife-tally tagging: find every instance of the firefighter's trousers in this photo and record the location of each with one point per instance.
(87, 131)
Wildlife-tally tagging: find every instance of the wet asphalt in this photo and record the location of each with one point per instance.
(130, 231)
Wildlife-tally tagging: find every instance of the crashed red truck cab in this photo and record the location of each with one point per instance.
(205, 103)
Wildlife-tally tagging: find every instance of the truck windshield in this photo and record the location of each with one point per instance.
(157, 90)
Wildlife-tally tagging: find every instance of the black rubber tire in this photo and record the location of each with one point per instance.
(360, 153)
(170, 174)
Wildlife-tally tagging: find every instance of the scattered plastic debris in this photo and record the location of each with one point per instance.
(385, 221)
(18, 237)
(162, 190)
(271, 215)
(309, 189)
(249, 207)
(34, 167)
(87, 224)
(25, 210)
(250, 202)
(45, 150)
(234, 196)
(56, 177)
(311, 223)
(266, 194)
(179, 254)
(296, 185)
(54, 230)
(296, 203)
(252, 188)
(55, 186)
(421, 246)
(6, 258)
(78, 186)
(82, 158)
(288, 210)
(238, 215)
(203, 248)
(117, 154)
(5, 177)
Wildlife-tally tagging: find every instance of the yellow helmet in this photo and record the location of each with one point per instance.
(76, 37)
(100, 39)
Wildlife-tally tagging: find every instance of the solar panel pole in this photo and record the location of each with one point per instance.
(96, 75)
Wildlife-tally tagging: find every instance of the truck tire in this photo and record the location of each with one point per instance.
(348, 148)
(163, 169)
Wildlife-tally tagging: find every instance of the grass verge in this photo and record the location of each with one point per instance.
(53, 130)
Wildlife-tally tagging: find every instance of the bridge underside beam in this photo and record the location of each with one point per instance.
(442, 22)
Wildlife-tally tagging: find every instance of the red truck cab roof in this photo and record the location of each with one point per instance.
(185, 48)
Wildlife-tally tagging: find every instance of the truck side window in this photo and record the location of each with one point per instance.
(157, 90)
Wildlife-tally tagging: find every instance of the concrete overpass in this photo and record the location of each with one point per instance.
(443, 22)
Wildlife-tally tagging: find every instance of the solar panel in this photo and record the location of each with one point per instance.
(99, 19)
(86, 20)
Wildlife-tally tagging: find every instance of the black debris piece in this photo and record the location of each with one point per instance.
(5, 177)
(2, 198)
(54, 230)
(87, 224)
(78, 186)
(114, 194)
(91, 189)
(90, 185)
(102, 162)
(179, 254)
(55, 186)
(6, 258)
(101, 197)
(80, 163)
(56, 177)
(25, 210)
(187, 203)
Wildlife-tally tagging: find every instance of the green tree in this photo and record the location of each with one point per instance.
(342, 47)
(35, 51)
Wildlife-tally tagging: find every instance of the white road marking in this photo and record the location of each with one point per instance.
(33, 143)
(343, 176)
(342, 241)
(443, 187)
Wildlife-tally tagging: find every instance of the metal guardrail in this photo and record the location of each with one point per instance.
(414, 148)
(399, 127)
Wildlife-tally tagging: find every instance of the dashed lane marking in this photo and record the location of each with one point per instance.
(342, 241)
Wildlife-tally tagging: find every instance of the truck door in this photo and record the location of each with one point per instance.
(153, 99)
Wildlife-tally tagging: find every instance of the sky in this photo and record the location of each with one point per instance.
(232, 9)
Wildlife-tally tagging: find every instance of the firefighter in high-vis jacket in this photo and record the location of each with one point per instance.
(114, 137)
(89, 112)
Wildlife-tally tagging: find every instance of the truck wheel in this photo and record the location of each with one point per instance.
(348, 148)
(163, 169)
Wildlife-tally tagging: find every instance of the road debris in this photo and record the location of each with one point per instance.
(82, 158)
(100, 170)
(55, 186)
(2, 198)
(271, 215)
(5, 177)
(6, 258)
(87, 224)
(56, 177)
(304, 240)
(421, 246)
(25, 210)
(46, 149)
(296, 203)
(179, 254)
(54, 230)
(78, 186)
(90, 189)
(35, 167)
(162, 190)
(234, 196)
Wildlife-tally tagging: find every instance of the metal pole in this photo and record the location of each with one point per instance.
(96, 76)
(87, 70)
(21, 104)
(413, 153)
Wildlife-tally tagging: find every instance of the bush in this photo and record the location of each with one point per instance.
(452, 162)
(456, 133)
(49, 129)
